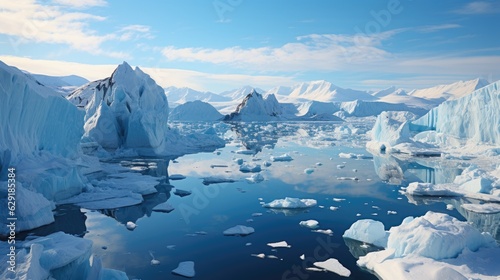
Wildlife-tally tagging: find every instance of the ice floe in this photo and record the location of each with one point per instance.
(283, 157)
(280, 244)
(163, 207)
(239, 230)
(185, 269)
(333, 265)
(291, 203)
(309, 223)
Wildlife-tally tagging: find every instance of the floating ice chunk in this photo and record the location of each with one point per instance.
(131, 225)
(315, 269)
(390, 212)
(256, 214)
(334, 266)
(368, 231)
(248, 244)
(319, 164)
(340, 166)
(171, 247)
(281, 244)
(486, 208)
(247, 167)
(309, 170)
(358, 214)
(347, 155)
(163, 207)
(347, 178)
(153, 260)
(177, 177)
(302, 257)
(309, 223)
(283, 157)
(255, 178)
(272, 257)
(245, 152)
(291, 203)
(239, 230)
(338, 199)
(135, 182)
(181, 193)
(324, 231)
(450, 207)
(217, 180)
(260, 256)
(185, 269)
(428, 189)
(334, 208)
(238, 161)
(249, 220)
(267, 163)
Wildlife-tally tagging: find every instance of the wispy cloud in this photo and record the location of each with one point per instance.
(310, 52)
(478, 8)
(29, 21)
(435, 28)
(81, 4)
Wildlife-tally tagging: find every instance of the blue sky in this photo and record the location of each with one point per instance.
(222, 44)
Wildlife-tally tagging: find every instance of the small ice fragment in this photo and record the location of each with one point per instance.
(340, 166)
(171, 247)
(334, 266)
(324, 231)
(338, 199)
(399, 198)
(260, 198)
(131, 225)
(267, 163)
(153, 261)
(239, 230)
(181, 193)
(104, 247)
(309, 223)
(302, 257)
(249, 220)
(357, 215)
(281, 244)
(376, 207)
(260, 256)
(238, 161)
(201, 232)
(333, 208)
(246, 167)
(255, 178)
(319, 164)
(284, 157)
(314, 269)
(354, 170)
(245, 152)
(308, 170)
(248, 244)
(348, 178)
(321, 206)
(391, 212)
(218, 165)
(185, 269)
(272, 257)
(449, 207)
(364, 245)
(256, 214)
(176, 177)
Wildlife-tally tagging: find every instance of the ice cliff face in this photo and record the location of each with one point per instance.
(475, 117)
(359, 108)
(195, 111)
(257, 108)
(126, 110)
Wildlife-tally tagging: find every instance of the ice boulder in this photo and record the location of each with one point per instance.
(195, 111)
(474, 117)
(368, 231)
(390, 129)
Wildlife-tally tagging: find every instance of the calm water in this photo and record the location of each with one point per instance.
(193, 231)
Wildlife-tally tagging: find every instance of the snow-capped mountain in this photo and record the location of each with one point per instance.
(240, 93)
(327, 92)
(195, 111)
(63, 84)
(451, 91)
(182, 95)
(389, 91)
(255, 107)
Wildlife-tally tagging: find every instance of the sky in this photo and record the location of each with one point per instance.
(218, 45)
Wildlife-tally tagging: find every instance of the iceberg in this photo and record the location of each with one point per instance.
(435, 246)
(283, 157)
(368, 231)
(333, 265)
(390, 129)
(195, 111)
(280, 244)
(239, 230)
(255, 107)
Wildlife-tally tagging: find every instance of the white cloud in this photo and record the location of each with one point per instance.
(435, 28)
(311, 52)
(81, 3)
(478, 8)
(29, 21)
(163, 76)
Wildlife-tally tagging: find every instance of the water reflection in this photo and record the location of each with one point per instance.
(359, 249)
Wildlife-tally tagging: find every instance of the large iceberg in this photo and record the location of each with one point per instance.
(129, 110)
(434, 246)
(360, 108)
(390, 129)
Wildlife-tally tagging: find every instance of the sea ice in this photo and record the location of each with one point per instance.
(281, 244)
(239, 230)
(428, 189)
(291, 203)
(247, 167)
(309, 223)
(185, 269)
(334, 266)
(163, 207)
